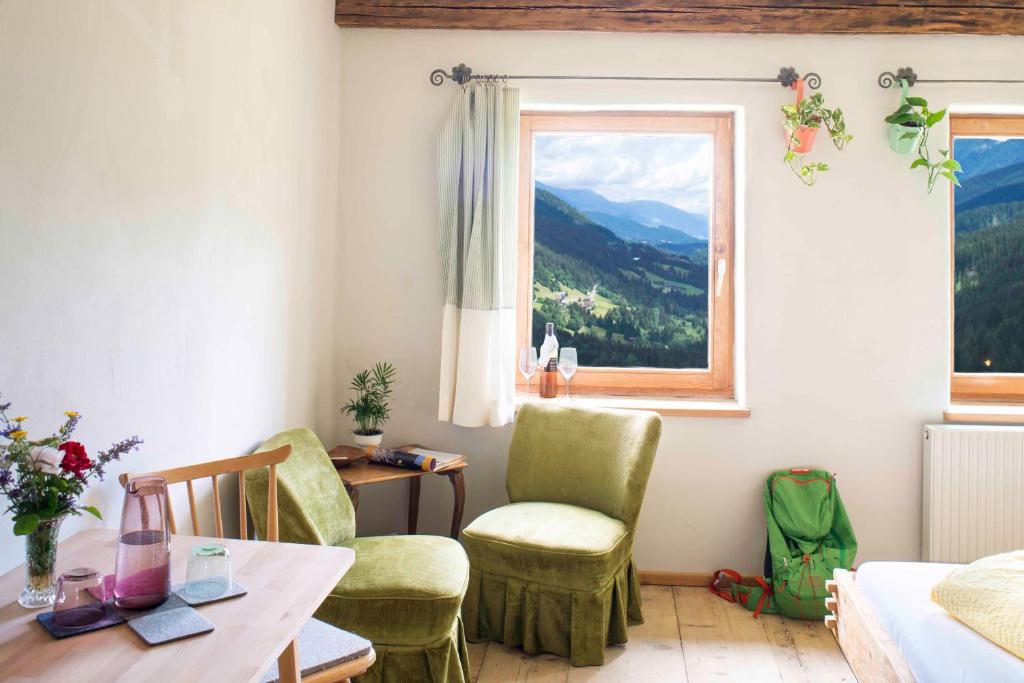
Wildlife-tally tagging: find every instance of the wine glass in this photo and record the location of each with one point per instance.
(567, 366)
(528, 365)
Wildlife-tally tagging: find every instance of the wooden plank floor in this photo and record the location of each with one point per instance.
(689, 636)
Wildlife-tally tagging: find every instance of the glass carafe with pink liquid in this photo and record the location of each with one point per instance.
(142, 577)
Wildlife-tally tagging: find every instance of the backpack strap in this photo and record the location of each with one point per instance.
(762, 602)
(716, 589)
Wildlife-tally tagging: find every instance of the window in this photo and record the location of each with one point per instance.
(626, 245)
(988, 259)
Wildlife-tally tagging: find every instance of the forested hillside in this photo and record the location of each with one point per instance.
(989, 257)
(620, 303)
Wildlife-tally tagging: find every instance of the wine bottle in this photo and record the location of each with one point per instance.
(548, 362)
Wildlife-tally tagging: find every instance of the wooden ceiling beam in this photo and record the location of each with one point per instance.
(983, 17)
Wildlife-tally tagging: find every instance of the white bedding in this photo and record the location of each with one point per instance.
(938, 648)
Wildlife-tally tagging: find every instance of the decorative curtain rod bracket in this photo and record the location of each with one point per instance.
(462, 75)
(888, 79)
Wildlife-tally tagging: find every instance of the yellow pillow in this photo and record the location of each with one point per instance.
(988, 596)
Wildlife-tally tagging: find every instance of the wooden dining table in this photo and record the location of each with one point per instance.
(286, 583)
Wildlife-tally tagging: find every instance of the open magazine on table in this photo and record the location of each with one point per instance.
(416, 458)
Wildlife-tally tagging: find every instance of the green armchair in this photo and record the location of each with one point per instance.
(403, 593)
(553, 571)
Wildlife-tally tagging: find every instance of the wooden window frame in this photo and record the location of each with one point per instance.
(717, 381)
(979, 387)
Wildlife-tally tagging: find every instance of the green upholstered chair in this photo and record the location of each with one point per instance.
(403, 593)
(553, 571)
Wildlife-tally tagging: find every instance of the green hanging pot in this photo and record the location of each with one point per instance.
(904, 139)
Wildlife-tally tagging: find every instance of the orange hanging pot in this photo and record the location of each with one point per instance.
(802, 139)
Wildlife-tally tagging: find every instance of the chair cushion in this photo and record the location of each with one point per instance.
(548, 543)
(322, 646)
(402, 590)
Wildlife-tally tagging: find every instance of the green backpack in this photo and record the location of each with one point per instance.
(809, 536)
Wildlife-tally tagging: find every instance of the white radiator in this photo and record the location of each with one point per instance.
(973, 492)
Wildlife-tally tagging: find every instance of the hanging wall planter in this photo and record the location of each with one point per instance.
(905, 138)
(802, 122)
(909, 127)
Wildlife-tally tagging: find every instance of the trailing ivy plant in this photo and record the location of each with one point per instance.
(370, 407)
(915, 114)
(811, 112)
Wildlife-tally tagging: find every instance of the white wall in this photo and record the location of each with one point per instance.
(169, 210)
(846, 283)
(168, 216)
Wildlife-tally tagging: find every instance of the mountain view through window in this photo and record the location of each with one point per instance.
(988, 285)
(621, 224)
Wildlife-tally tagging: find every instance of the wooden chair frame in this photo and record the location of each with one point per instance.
(288, 661)
(214, 468)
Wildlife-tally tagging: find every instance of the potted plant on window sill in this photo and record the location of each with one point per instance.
(370, 407)
(802, 122)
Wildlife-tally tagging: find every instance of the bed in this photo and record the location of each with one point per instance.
(891, 632)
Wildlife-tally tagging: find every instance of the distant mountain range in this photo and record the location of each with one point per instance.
(979, 156)
(639, 220)
(993, 183)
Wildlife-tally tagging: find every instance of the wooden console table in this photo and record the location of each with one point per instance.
(364, 473)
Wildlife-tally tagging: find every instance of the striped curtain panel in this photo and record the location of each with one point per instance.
(478, 176)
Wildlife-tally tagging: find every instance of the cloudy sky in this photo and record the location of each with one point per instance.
(674, 169)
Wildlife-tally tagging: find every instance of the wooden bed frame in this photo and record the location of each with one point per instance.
(867, 646)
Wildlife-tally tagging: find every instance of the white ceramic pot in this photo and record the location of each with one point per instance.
(365, 440)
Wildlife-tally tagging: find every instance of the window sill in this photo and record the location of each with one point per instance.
(666, 407)
(1005, 413)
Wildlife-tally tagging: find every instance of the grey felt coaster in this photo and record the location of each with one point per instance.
(110, 618)
(236, 591)
(170, 625)
(172, 602)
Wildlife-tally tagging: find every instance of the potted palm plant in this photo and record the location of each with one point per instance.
(802, 122)
(370, 408)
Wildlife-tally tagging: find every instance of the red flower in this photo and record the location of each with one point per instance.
(75, 459)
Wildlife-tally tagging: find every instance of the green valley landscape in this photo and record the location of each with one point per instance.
(623, 282)
(989, 256)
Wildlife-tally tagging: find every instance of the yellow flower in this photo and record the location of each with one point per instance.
(20, 418)
(71, 413)
(18, 434)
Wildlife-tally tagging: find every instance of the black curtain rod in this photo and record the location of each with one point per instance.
(888, 79)
(462, 75)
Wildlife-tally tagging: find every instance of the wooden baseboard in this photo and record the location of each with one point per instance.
(692, 579)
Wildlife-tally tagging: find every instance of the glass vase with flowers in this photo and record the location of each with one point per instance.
(42, 480)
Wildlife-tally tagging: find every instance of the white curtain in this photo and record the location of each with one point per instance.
(478, 176)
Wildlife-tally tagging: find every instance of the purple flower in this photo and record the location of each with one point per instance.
(6, 478)
(118, 449)
(5, 406)
(70, 426)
